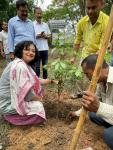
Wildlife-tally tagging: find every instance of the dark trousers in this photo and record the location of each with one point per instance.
(43, 57)
(108, 132)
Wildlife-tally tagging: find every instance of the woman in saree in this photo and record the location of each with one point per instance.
(20, 91)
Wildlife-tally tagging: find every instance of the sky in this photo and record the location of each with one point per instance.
(44, 4)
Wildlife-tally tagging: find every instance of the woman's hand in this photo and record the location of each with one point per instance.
(54, 81)
(37, 98)
(47, 81)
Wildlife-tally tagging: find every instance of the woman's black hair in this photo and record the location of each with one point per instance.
(18, 52)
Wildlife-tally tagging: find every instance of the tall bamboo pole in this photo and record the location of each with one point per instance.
(94, 80)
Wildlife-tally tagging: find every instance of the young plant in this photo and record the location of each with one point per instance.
(59, 69)
(63, 70)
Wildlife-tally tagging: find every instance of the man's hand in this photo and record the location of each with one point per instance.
(90, 101)
(72, 60)
(39, 36)
(76, 47)
(44, 36)
(12, 56)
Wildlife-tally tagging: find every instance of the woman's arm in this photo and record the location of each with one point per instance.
(31, 96)
(47, 81)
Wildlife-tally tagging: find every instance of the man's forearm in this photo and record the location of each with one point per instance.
(106, 112)
(76, 47)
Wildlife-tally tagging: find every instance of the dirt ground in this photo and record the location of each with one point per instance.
(56, 133)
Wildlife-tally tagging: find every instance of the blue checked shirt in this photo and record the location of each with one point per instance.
(18, 31)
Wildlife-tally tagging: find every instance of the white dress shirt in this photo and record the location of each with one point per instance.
(4, 40)
(42, 44)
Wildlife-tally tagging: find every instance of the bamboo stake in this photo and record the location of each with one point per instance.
(93, 83)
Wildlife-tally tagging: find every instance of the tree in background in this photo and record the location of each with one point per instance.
(8, 9)
(59, 9)
(107, 8)
(74, 8)
(68, 10)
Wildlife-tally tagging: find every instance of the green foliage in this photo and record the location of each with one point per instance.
(59, 10)
(107, 7)
(74, 8)
(58, 69)
(8, 9)
(108, 57)
(3, 5)
(31, 12)
(75, 73)
(11, 11)
(62, 69)
(56, 13)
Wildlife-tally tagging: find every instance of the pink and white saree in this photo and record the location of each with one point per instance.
(22, 80)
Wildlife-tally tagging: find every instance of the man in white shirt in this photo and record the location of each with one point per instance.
(100, 104)
(4, 41)
(42, 33)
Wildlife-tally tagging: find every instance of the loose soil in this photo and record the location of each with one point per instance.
(56, 133)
